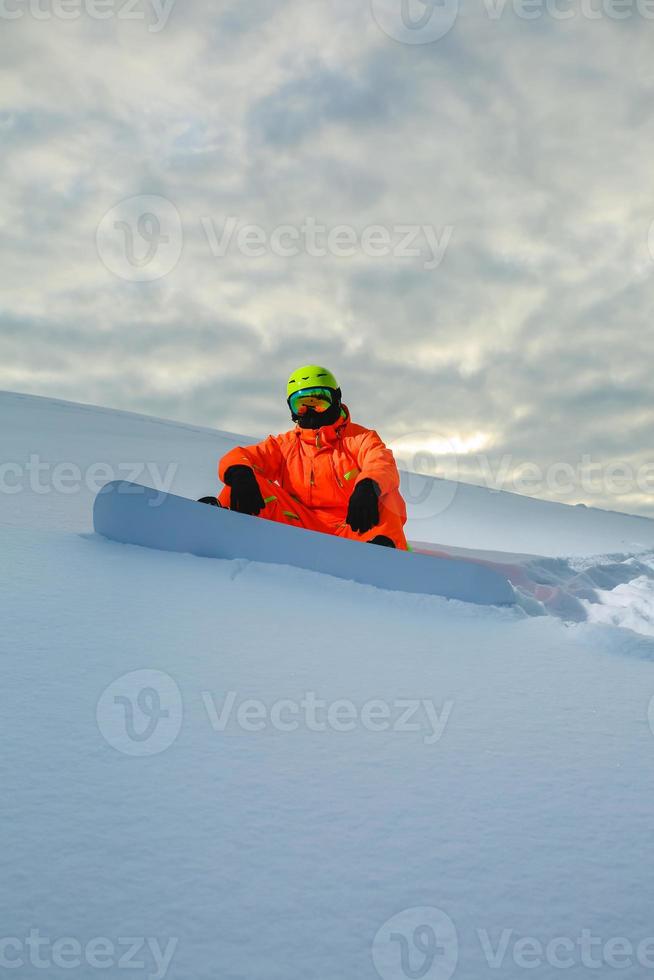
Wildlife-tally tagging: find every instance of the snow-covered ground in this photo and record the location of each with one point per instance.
(226, 770)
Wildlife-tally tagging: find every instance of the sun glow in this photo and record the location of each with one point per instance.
(452, 445)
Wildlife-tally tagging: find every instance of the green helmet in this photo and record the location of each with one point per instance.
(313, 396)
(310, 376)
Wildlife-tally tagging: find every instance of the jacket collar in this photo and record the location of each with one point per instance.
(326, 435)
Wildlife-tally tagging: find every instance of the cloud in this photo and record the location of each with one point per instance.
(530, 139)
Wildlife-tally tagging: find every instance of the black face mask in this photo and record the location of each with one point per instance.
(315, 420)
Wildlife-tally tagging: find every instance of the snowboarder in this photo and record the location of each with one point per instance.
(327, 474)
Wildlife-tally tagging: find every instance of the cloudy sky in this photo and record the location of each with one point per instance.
(450, 205)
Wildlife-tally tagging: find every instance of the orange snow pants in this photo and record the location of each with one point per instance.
(284, 508)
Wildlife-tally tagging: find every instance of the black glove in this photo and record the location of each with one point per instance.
(363, 509)
(246, 496)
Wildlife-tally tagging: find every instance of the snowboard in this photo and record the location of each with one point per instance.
(133, 514)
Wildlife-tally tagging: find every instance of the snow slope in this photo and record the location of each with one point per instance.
(183, 459)
(57, 454)
(226, 770)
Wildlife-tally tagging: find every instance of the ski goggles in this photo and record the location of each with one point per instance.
(318, 399)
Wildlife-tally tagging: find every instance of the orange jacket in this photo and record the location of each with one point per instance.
(321, 467)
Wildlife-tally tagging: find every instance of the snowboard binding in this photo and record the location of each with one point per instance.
(212, 501)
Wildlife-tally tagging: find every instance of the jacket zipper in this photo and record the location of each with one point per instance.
(318, 446)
